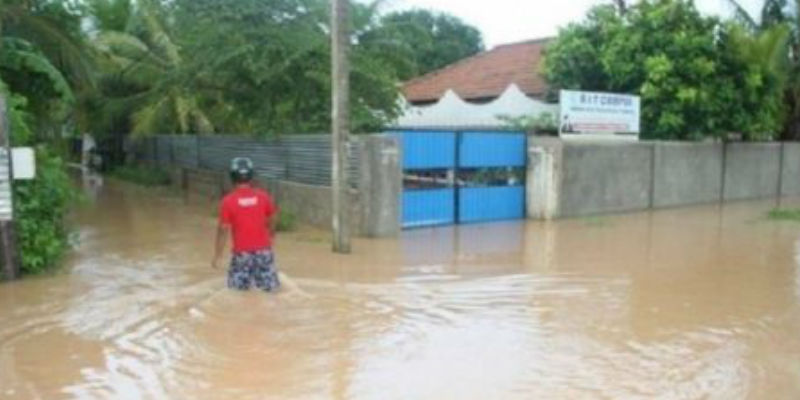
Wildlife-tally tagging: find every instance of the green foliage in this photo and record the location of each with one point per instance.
(573, 61)
(19, 59)
(110, 15)
(545, 122)
(785, 214)
(777, 16)
(274, 76)
(42, 57)
(142, 175)
(287, 220)
(42, 64)
(40, 206)
(146, 81)
(758, 65)
(697, 77)
(252, 66)
(420, 41)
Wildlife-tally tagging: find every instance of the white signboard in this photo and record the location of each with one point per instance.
(23, 163)
(595, 114)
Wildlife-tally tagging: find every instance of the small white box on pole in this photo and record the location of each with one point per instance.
(23, 163)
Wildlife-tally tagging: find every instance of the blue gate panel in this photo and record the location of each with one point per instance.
(428, 150)
(491, 203)
(492, 149)
(428, 207)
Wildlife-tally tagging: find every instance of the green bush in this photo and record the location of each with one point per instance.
(545, 122)
(40, 206)
(785, 214)
(697, 77)
(286, 220)
(142, 175)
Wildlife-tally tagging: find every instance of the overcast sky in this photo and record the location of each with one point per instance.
(506, 21)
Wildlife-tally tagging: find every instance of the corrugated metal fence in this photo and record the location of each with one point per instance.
(296, 158)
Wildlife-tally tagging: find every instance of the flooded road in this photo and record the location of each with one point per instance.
(700, 303)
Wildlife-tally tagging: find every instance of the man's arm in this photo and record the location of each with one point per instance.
(219, 248)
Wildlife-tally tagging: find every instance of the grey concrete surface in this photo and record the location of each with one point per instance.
(751, 170)
(601, 178)
(790, 181)
(687, 173)
(381, 185)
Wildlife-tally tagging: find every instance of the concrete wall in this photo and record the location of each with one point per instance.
(312, 204)
(599, 178)
(687, 173)
(375, 205)
(751, 170)
(204, 183)
(790, 180)
(573, 178)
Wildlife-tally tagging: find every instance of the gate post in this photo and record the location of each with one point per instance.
(381, 185)
(543, 178)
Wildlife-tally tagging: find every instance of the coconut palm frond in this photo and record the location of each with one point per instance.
(60, 46)
(147, 120)
(21, 56)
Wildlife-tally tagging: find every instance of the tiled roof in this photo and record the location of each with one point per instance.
(484, 75)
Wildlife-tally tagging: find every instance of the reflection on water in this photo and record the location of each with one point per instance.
(700, 303)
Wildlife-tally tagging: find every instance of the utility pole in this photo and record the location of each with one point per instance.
(340, 124)
(8, 240)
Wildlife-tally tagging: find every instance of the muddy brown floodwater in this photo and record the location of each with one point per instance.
(699, 303)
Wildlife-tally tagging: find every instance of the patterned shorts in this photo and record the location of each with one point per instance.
(253, 269)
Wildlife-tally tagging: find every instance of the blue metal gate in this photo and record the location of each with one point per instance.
(429, 195)
(462, 177)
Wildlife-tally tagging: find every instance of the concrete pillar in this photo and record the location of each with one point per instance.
(790, 183)
(381, 185)
(543, 178)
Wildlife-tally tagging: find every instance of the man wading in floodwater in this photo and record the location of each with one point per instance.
(250, 214)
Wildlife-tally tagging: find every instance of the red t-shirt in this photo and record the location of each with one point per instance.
(246, 210)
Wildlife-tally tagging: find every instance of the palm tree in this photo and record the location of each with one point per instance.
(778, 42)
(147, 80)
(44, 57)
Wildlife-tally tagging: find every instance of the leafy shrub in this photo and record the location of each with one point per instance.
(286, 220)
(40, 206)
(545, 122)
(697, 77)
(142, 175)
